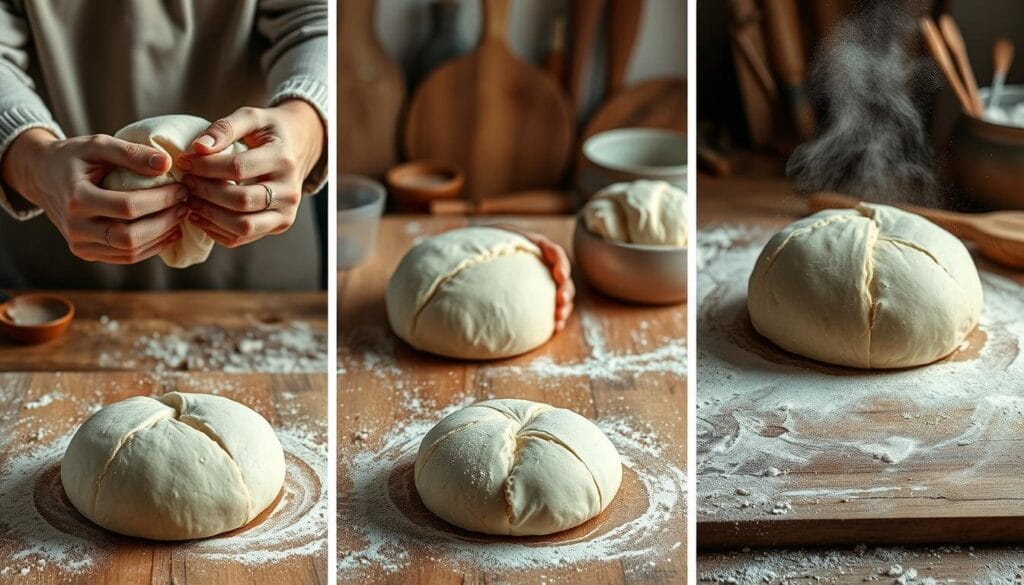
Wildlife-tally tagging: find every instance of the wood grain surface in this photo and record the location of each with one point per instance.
(505, 122)
(375, 400)
(836, 498)
(41, 409)
(145, 314)
(658, 103)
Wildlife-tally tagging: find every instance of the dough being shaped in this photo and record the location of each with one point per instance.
(641, 212)
(516, 467)
(871, 287)
(473, 293)
(179, 467)
(173, 135)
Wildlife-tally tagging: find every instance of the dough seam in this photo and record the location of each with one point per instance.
(121, 444)
(204, 429)
(437, 444)
(870, 290)
(804, 231)
(545, 436)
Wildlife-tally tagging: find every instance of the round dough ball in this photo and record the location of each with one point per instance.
(516, 467)
(172, 135)
(473, 293)
(641, 212)
(871, 287)
(179, 467)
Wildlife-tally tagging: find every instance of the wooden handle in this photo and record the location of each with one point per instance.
(495, 20)
(1002, 56)
(787, 54)
(356, 18)
(554, 63)
(586, 16)
(941, 55)
(623, 29)
(959, 224)
(526, 202)
(955, 40)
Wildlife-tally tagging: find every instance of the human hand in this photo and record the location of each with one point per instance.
(62, 178)
(558, 262)
(241, 197)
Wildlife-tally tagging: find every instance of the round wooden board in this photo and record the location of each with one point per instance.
(659, 103)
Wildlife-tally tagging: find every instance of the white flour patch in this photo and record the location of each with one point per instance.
(759, 408)
(368, 513)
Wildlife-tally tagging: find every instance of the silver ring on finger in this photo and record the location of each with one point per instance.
(271, 197)
(106, 236)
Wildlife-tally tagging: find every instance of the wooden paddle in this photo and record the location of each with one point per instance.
(371, 92)
(502, 120)
(999, 234)
(584, 21)
(623, 28)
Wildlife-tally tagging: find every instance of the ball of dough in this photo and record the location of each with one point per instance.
(641, 212)
(516, 467)
(473, 293)
(178, 467)
(871, 287)
(172, 135)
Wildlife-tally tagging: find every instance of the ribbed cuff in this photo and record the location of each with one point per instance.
(12, 123)
(314, 92)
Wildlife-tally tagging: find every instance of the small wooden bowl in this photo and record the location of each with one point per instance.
(415, 184)
(46, 317)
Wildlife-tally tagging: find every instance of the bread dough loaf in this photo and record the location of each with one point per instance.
(641, 212)
(172, 135)
(516, 467)
(871, 287)
(473, 293)
(178, 467)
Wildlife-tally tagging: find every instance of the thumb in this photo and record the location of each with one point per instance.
(138, 158)
(226, 131)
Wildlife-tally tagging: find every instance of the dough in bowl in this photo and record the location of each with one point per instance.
(473, 293)
(178, 467)
(516, 467)
(871, 287)
(173, 135)
(640, 212)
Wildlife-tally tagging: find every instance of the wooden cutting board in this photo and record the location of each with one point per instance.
(371, 93)
(506, 123)
(377, 395)
(658, 103)
(39, 409)
(942, 490)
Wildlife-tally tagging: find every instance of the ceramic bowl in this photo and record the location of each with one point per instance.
(36, 317)
(413, 185)
(360, 206)
(632, 154)
(988, 158)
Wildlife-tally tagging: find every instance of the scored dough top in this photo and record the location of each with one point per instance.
(516, 467)
(867, 287)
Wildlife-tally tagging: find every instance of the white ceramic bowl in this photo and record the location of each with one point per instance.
(360, 206)
(631, 154)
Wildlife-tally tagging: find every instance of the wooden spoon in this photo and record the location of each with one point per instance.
(998, 234)
(955, 40)
(1002, 57)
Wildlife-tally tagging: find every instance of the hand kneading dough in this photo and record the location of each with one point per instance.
(641, 212)
(516, 467)
(173, 135)
(178, 467)
(473, 293)
(872, 287)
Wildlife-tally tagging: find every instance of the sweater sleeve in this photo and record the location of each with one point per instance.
(21, 108)
(296, 62)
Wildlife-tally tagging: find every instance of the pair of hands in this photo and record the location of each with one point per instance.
(62, 177)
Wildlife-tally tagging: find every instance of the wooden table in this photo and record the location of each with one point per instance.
(836, 498)
(379, 394)
(47, 391)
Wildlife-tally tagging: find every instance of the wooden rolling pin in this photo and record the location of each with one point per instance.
(782, 21)
(999, 234)
(526, 202)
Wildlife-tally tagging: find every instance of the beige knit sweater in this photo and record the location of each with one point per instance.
(92, 66)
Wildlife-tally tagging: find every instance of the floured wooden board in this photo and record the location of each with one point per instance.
(43, 539)
(620, 365)
(236, 331)
(794, 452)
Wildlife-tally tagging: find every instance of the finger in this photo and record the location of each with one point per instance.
(104, 253)
(248, 198)
(239, 224)
(140, 233)
(220, 236)
(224, 132)
(251, 164)
(98, 202)
(138, 158)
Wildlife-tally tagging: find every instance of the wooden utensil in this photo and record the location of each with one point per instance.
(502, 120)
(371, 93)
(1002, 58)
(789, 61)
(940, 53)
(659, 103)
(757, 86)
(554, 61)
(955, 40)
(526, 202)
(584, 21)
(999, 234)
(623, 29)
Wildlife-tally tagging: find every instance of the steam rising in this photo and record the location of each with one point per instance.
(871, 141)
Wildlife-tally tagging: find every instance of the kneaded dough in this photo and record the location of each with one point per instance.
(473, 293)
(871, 287)
(177, 467)
(640, 212)
(516, 467)
(173, 135)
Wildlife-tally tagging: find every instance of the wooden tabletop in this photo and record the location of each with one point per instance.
(110, 329)
(965, 492)
(43, 540)
(386, 387)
